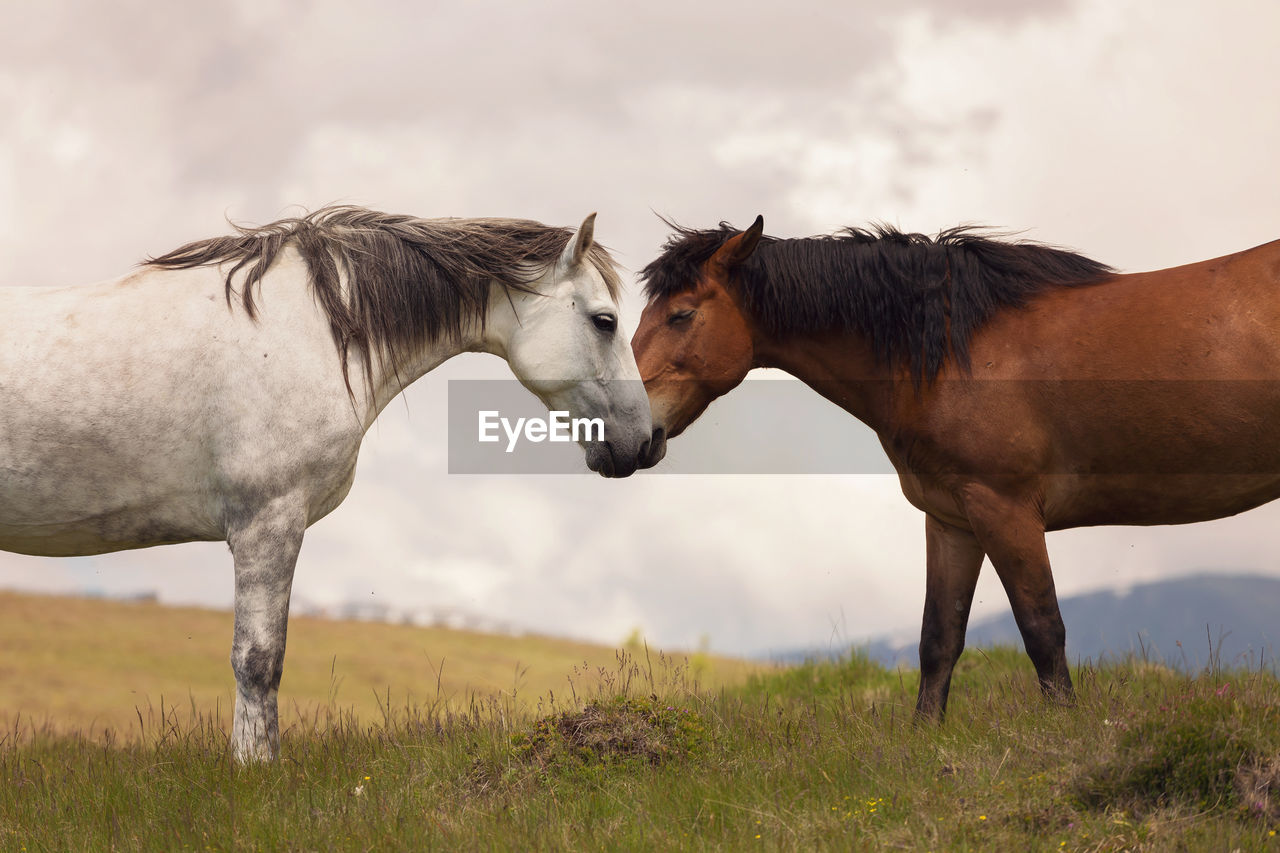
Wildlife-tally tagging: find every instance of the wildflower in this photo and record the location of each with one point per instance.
(982, 817)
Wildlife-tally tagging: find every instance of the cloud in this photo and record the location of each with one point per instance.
(1138, 134)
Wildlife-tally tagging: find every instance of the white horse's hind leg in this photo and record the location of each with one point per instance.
(265, 549)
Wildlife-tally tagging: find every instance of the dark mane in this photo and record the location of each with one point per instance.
(408, 281)
(916, 299)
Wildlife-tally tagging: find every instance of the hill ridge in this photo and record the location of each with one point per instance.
(1188, 622)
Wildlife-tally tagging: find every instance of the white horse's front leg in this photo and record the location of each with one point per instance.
(265, 547)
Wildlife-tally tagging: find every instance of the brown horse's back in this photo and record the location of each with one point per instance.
(1149, 398)
(1216, 319)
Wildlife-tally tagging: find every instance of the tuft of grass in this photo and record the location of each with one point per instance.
(612, 732)
(1204, 750)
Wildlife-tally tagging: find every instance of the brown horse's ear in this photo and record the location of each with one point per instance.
(740, 246)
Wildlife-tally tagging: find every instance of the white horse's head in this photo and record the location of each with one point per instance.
(563, 340)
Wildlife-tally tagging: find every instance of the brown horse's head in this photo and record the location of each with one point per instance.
(694, 343)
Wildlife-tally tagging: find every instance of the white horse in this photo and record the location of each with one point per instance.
(221, 391)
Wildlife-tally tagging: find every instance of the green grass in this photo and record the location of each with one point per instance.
(818, 757)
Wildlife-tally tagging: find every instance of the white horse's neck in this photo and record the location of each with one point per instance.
(489, 336)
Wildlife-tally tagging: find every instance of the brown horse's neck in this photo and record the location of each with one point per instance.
(839, 366)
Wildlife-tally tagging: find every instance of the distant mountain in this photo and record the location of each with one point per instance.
(1189, 623)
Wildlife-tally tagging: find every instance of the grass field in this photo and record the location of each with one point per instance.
(816, 757)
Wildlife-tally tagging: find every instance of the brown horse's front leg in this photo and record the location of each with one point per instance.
(1011, 531)
(954, 559)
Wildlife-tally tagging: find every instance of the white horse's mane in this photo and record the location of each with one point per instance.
(408, 281)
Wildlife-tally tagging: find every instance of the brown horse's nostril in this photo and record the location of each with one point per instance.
(654, 449)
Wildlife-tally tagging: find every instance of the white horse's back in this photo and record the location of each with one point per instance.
(131, 409)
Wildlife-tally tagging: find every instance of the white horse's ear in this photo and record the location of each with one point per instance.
(579, 244)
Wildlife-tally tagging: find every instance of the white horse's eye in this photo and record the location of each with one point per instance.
(605, 322)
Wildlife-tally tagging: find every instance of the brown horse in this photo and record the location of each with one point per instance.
(1016, 388)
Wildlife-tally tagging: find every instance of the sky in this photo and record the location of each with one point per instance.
(1143, 134)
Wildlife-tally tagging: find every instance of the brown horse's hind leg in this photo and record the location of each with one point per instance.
(1012, 534)
(954, 560)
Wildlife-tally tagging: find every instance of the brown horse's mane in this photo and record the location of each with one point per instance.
(917, 299)
(409, 281)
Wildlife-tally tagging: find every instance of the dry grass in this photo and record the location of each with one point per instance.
(76, 664)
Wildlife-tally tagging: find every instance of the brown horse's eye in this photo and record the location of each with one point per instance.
(680, 317)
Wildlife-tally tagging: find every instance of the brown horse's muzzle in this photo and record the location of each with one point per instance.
(654, 449)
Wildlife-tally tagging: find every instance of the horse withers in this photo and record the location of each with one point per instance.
(1016, 388)
(221, 391)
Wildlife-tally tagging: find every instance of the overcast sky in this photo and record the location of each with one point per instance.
(1144, 134)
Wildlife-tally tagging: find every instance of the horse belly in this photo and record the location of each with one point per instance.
(1090, 500)
(100, 534)
(1160, 452)
(73, 486)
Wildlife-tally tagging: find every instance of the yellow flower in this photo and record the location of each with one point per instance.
(982, 817)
